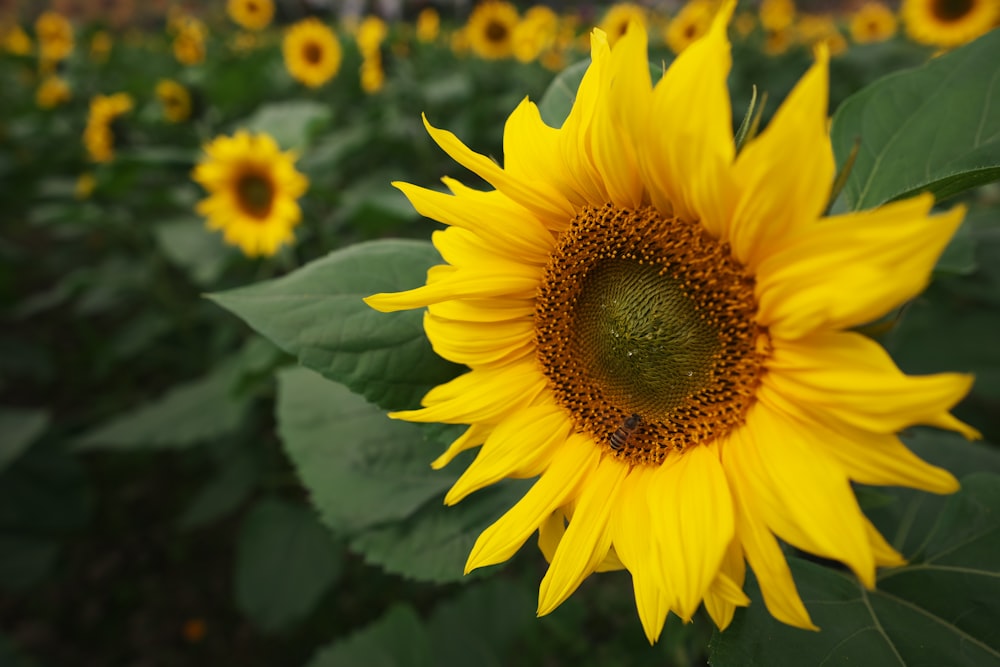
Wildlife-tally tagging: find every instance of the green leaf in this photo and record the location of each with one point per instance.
(285, 562)
(20, 429)
(398, 639)
(223, 493)
(317, 314)
(198, 251)
(25, 560)
(435, 543)
(558, 98)
(939, 610)
(959, 256)
(190, 413)
(935, 127)
(361, 468)
(293, 124)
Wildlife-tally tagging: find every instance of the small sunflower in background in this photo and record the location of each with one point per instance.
(189, 39)
(618, 17)
(16, 41)
(690, 24)
(372, 74)
(100, 46)
(872, 22)
(370, 34)
(251, 14)
(490, 30)
(814, 29)
(535, 34)
(661, 330)
(777, 15)
(253, 188)
(98, 135)
(84, 186)
(175, 100)
(312, 52)
(52, 91)
(54, 33)
(428, 25)
(948, 23)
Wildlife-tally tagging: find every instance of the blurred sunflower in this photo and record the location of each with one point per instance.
(55, 36)
(372, 74)
(100, 46)
(253, 187)
(98, 135)
(189, 40)
(52, 91)
(251, 14)
(815, 29)
(490, 29)
(660, 330)
(872, 22)
(371, 32)
(618, 17)
(535, 34)
(777, 15)
(16, 41)
(84, 186)
(428, 25)
(948, 23)
(312, 52)
(690, 24)
(175, 100)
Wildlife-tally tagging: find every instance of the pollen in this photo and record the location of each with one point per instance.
(644, 315)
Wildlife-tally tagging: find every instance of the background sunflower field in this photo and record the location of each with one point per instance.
(196, 196)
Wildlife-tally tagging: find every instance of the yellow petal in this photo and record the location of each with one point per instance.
(473, 436)
(588, 538)
(849, 376)
(479, 344)
(852, 269)
(692, 523)
(550, 533)
(784, 176)
(520, 446)
(574, 462)
(687, 162)
(726, 592)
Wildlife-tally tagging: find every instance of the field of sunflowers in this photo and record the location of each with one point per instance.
(415, 333)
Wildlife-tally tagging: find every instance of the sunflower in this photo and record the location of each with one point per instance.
(175, 99)
(312, 52)
(16, 41)
(100, 46)
(371, 32)
(948, 23)
(253, 187)
(189, 39)
(490, 29)
(617, 19)
(251, 14)
(777, 15)
(372, 74)
(691, 22)
(535, 34)
(98, 135)
(660, 330)
(55, 36)
(428, 25)
(52, 91)
(872, 22)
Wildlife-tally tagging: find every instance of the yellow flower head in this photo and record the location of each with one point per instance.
(690, 24)
(490, 29)
(84, 186)
(872, 22)
(175, 99)
(16, 41)
(535, 34)
(52, 91)
(372, 74)
(312, 52)
(253, 189)
(55, 36)
(777, 15)
(616, 20)
(251, 14)
(662, 331)
(428, 24)
(372, 31)
(815, 29)
(948, 23)
(98, 136)
(189, 40)
(100, 46)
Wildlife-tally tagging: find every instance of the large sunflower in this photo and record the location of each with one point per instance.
(490, 29)
(251, 14)
(948, 23)
(253, 187)
(312, 52)
(659, 329)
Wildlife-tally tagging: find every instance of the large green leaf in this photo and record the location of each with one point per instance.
(935, 127)
(361, 468)
(285, 562)
(224, 492)
(941, 609)
(198, 251)
(292, 123)
(398, 639)
(19, 428)
(317, 314)
(190, 413)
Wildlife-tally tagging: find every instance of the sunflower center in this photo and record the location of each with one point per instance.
(645, 327)
(496, 32)
(312, 53)
(951, 10)
(255, 193)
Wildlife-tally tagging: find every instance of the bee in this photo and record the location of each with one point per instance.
(620, 438)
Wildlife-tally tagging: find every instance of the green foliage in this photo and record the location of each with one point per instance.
(285, 562)
(293, 124)
(20, 428)
(931, 128)
(939, 609)
(317, 314)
